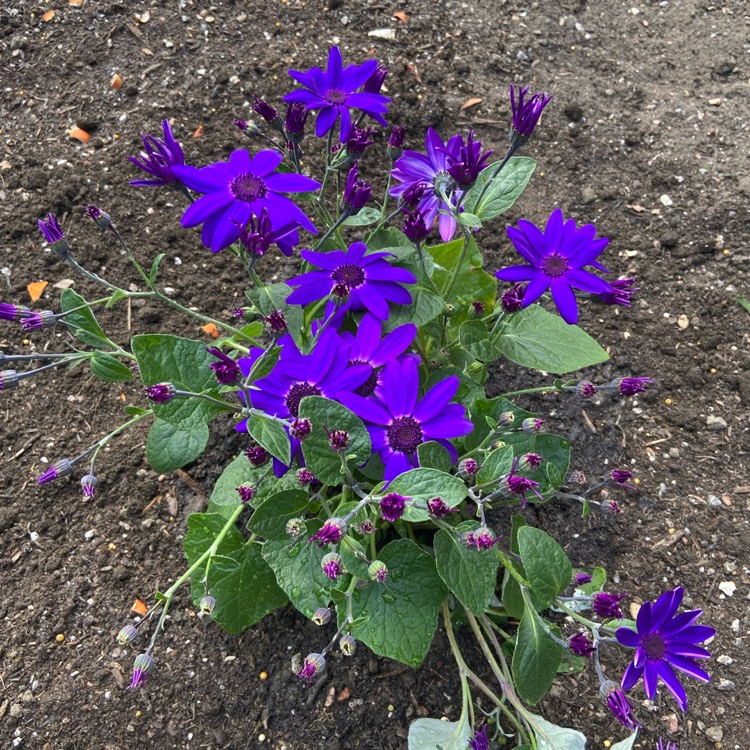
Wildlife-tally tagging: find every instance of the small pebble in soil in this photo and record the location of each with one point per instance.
(728, 587)
(715, 734)
(715, 423)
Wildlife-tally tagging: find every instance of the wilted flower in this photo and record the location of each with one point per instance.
(101, 218)
(619, 705)
(586, 389)
(348, 645)
(631, 386)
(54, 235)
(332, 565)
(88, 485)
(581, 645)
(620, 292)
(582, 578)
(322, 616)
(158, 158)
(607, 605)
(621, 477)
(62, 468)
(207, 605)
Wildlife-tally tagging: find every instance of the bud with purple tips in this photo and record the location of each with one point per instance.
(607, 605)
(396, 142)
(54, 235)
(157, 159)
(143, 666)
(250, 129)
(586, 389)
(246, 492)
(631, 386)
(374, 83)
(128, 634)
(13, 312)
(227, 370)
(476, 310)
(276, 323)
(356, 193)
(526, 113)
(438, 508)
(334, 529)
(332, 565)
(619, 705)
(313, 666)
(532, 425)
(294, 123)
(88, 485)
(358, 140)
(101, 218)
(295, 527)
(611, 506)
(512, 299)
(207, 605)
(581, 645)
(621, 293)
(392, 506)
(366, 527)
(264, 109)
(305, 476)
(301, 428)
(582, 578)
(465, 167)
(41, 319)
(257, 455)
(338, 440)
(621, 477)
(415, 227)
(412, 196)
(377, 571)
(482, 539)
(160, 393)
(468, 468)
(62, 468)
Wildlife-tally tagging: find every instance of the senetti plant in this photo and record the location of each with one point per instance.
(380, 489)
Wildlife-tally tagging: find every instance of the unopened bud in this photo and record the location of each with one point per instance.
(294, 527)
(339, 440)
(532, 425)
(127, 635)
(348, 645)
(312, 667)
(332, 565)
(207, 604)
(377, 571)
(301, 428)
(467, 468)
(322, 616)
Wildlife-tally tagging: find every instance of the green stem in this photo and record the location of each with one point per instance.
(457, 268)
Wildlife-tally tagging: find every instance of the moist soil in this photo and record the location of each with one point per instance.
(646, 137)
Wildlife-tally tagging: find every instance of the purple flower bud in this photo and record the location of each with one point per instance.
(392, 506)
(506, 419)
(257, 455)
(631, 386)
(465, 167)
(305, 476)
(142, 669)
(275, 321)
(607, 605)
(586, 389)
(577, 477)
(480, 740)
(88, 485)
(101, 218)
(63, 468)
(250, 129)
(158, 158)
(582, 579)
(264, 109)
(621, 293)
(581, 645)
(375, 82)
(256, 235)
(332, 565)
(483, 538)
(526, 114)
(396, 142)
(128, 634)
(530, 460)
(313, 666)
(301, 428)
(358, 141)
(13, 312)
(415, 226)
(438, 508)
(412, 196)
(54, 235)
(476, 310)
(356, 193)
(377, 571)
(512, 299)
(334, 529)
(611, 506)
(321, 616)
(41, 319)
(294, 527)
(207, 605)
(619, 705)
(621, 477)
(348, 645)
(160, 393)
(366, 527)
(227, 370)
(246, 492)
(668, 746)
(338, 440)
(294, 123)
(8, 379)
(532, 425)
(468, 467)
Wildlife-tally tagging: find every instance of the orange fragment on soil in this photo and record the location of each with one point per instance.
(36, 289)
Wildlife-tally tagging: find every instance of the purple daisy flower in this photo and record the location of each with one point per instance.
(556, 258)
(631, 386)
(431, 173)
(226, 369)
(257, 235)
(158, 158)
(518, 484)
(664, 641)
(237, 189)
(399, 421)
(334, 90)
(371, 280)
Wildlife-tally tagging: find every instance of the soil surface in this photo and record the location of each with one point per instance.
(646, 137)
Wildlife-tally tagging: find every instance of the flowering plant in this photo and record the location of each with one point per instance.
(376, 469)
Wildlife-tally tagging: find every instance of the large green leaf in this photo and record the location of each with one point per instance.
(83, 322)
(422, 485)
(269, 520)
(108, 368)
(397, 619)
(496, 465)
(475, 338)
(364, 217)
(273, 297)
(538, 339)
(425, 306)
(483, 409)
(169, 448)
(549, 736)
(503, 191)
(556, 452)
(272, 436)
(429, 734)
(547, 567)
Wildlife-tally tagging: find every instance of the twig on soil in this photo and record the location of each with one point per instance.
(23, 448)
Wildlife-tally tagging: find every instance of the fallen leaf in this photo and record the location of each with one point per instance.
(79, 135)
(200, 130)
(35, 289)
(48, 16)
(413, 70)
(139, 607)
(211, 330)
(64, 284)
(401, 16)
(116, 81)
(635, 207)
(75, 3)
(471, 103)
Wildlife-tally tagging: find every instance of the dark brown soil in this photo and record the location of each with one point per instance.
(646, 136)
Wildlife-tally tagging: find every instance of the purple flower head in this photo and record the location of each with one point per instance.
(607, 605)
(367, 348)
(556, 258)
(578, 477)
(143, 666)
(512, 299)
(430, 172)
(257, 235)
(415, 227)
(227, 370)
(620, 292)
(399, 421)
(665, 641)
(611, 506)
(246, 492)
(313, 666)
(301, 428)
(62, 468)
(332, 566)
(480, 740)
(392, 507)
(372, 281)
(250, 129)
(396, 142)
(41, 319)
(621, 477)
(334, 90)
(377, 570)
(530, 460)
(305, 476)
(438, 508)
(467, 468)
(237, 189)
(581, 645)
(374, 83)
(101, 218)
(358, 141)
(158, 158)
(465, 168)
(160, 392)
(356, 193)
(619, 705)
(482, 539)
(13, 312)
(410, 198)
(264, 109)
(294, 122)
(526, 113)
(519, 485)
(88, 485)
(276, 322)
(54, 235)
(338, 440)
(586, 389)
(631, 386)
(257, 455)
(661, 745)
(332, 532)
(582, 578)
(476, 309)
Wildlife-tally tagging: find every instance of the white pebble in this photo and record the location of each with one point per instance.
(728, 587)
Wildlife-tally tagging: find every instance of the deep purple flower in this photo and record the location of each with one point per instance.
(356, 193)
(367, 348)
(467, 468)
(257, 455)
(359, 140)
(526, 113)
(276, 322)
(61, 468)
(520, 485)
(465, 167)
(396, 142)
(301, 428)
(332, 532)
(158, 158)
(663, 641)
(476, 309)
(438, 508)
(264, 109)
(313, 666)
(374, 83)
(257, 235)
(246, 492)
(399, 421)
(101, 218)
(556, 258)
(607, 605)
(160, 392)
(142, 669)
(338, 440)
(632, 386)
(294, 122)
(392, 507)
(661, 745)
(237, 189)
(13, 312)
(586, 389)
(334, 90)
(332, 566)
(611, 506)
(620, 292)
(480, 740)
(53, 234)
(512, 299)
(582, 578)
(429, 172)
(621, 477)
(227, 370)
(415, 227)
(250, 129)
(88, 485)
(371, 280)
(581, 645)
(619, 705)
(482, 539)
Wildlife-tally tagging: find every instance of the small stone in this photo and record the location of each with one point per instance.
(683, 321)
(713, 500)
(665, 200)
(726, 685)
(16, 711)
(588, 195)
(715, 734)
(715, 102)
(725, 659)
(674, 452)
(728, 588)
(715, 423)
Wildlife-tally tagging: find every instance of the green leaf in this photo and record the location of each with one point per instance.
(108, 368)
(429, 734)
(269, 520)
(320, 458)
(298, 572)
(425, 306)
(555, 450)
(745, 304)
(432, 455)
(470, 575)
(475, 338)
(272, 436)
(85, 325)
(598, 581)
(492, 408)
(351, 551)
(547, 567)
(117, 295)
(422, 485)
(469, 220)
(169, 448)
(364, 217)
(273, 297)
(496, 465)
(387, 239)
(264, 364)
(155, 267)
(503, 191)
(538, 339)
(536, 658)
(626, 744)
(552, 737)
(401, 614)
(134, 411)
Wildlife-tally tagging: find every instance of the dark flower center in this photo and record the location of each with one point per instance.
(368, 387)
(247, 187)
(296, 393)
(349, 274)
(654, 645)
(555, 265)
(405, 435)
(336, 97)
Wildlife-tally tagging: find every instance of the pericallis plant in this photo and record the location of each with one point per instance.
(381, 489)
